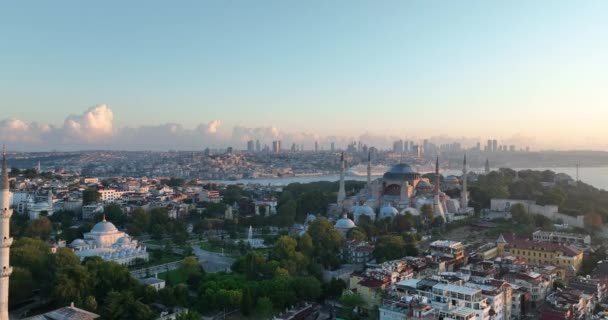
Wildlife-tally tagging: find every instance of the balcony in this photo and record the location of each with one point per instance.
(6, 272)
(5, 243)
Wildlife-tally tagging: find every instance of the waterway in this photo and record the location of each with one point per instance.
(596, 176)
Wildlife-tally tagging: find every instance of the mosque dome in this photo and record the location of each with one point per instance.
(424, 185)
(345, 223)
(104, 227)
(363, 210)
(77, 243)
(410, 210)
(310, 218)
(401, 171)
(123, 242)
(388, 211)
(452, 179)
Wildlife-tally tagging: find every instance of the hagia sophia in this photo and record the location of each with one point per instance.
(402, 190)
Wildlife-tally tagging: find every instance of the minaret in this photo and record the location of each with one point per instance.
(341, 192)
(369, 172)
(437, 180)
(487, 166)
(438, 206)
(464, 197)
(5, 238)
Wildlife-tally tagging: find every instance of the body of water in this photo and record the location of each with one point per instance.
(597, 177)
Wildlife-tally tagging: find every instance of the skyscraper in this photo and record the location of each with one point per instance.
(494, 145)
(5, 238)
(333, 147)
(257, 146)
(316, 146)
(489, 146)
(250, 146)
(398, 146)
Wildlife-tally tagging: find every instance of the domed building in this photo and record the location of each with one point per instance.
(359, 211)
(107, 242)
(399, 185)
(36, 210)
(344, 225)
(387, 211)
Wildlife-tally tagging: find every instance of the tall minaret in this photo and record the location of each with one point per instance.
(439, 212)
(487, 166)
(5, 238)
(437, 180)
(369, 172)
(464, 196)
(342, 191)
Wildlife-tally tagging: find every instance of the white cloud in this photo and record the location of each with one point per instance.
(213, 126)
(93, 125)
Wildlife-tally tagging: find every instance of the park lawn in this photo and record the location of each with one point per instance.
(173, 277)
(508, 227)
(207, 246)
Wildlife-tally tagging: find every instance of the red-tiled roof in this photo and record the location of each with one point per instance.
(523, 243)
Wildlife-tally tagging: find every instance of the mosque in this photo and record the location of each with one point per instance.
(107, 242)
(402, 190)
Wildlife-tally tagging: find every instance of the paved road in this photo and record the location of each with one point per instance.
(141, 273)
(211, 261)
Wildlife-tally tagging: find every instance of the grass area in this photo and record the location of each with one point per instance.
(173, 277)
(155, 242)
(207, 246)
(506, 227)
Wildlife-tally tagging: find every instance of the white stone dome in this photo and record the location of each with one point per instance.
(123, 241)
(78, 243)
(410, 210)
(104, 227)
(363, 210)
(388, 211)
(345, 223)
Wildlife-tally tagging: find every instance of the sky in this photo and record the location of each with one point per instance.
(188, 74)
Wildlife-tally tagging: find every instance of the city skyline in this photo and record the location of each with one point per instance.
(204, 73)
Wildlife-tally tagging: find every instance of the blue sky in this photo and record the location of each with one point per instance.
(328, 67)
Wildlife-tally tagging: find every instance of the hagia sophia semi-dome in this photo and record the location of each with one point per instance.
(401, 171)
(104, 227)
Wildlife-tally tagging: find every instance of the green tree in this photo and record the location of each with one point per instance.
(72, 284)
(389, 248)
(39, 228)
(123, 305)
(352, 304)
(356, 234)
(307, 288)
(263, 309)
(21, 285)
(246, 302)
(190, 315)
(90, 196)
(286, 214)
(327, 242)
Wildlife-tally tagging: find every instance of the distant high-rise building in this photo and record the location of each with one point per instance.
(316, 146)
(257, 146)
(276, 146)
(333, 147)
(250, 146)
(494, 145)
(398, 146)
(425, 145)
(478, 148)
(229, 150)
(512, 148)
(489, 146)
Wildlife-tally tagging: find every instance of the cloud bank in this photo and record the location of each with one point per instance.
(95, 129)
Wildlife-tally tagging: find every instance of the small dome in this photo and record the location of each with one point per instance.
(104, 227)
(412, 211)
(123, 241)
(363, 210)
(345, 223)
(388, 211)
(423, 184)
(78, 243)
(310, 218)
